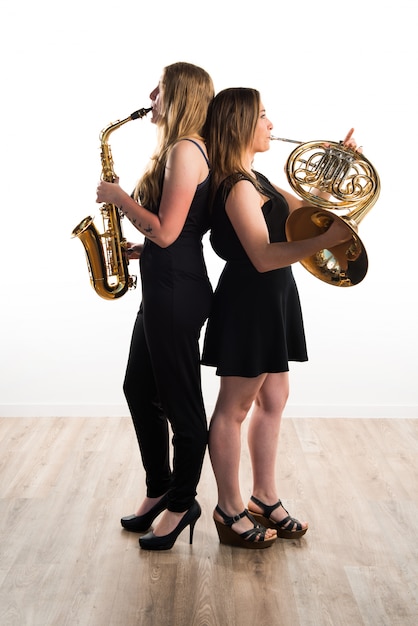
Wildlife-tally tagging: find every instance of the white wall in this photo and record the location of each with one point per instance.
(70, 69)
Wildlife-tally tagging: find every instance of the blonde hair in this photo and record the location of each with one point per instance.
(187, 91)
(229, 131)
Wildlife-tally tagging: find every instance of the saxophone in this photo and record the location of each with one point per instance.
(105, 253)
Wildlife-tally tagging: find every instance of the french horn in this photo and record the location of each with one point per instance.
(351, 186)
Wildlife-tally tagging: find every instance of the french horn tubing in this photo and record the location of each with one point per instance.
(351, 185)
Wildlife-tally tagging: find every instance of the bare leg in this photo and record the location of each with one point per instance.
(263, 440)
(263, 434)
(234, 401)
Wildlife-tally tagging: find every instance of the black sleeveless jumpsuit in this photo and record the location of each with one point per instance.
(162, 382)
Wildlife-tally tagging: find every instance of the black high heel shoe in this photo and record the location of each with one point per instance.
(166, 542)
(141, 523)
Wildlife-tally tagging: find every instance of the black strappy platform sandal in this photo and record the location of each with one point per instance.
(254, 538)
(287, 528)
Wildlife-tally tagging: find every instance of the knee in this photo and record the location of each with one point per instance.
(136, 394)
(235, 414)
(272, 406)
(127, 388)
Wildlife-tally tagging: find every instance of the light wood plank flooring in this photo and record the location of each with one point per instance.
(64, 559)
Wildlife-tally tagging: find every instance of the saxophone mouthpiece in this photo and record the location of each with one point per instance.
(140, 113)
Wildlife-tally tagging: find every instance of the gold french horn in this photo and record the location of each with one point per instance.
(352, 186)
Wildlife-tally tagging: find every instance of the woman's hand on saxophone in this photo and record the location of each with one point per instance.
(134, 250)
(109, 193)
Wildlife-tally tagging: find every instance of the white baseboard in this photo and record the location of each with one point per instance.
(293, 411)
(63, 410)
(352, 411)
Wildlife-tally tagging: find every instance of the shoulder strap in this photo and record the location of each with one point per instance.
(200, 148)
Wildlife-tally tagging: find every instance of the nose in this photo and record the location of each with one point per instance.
(153, 94)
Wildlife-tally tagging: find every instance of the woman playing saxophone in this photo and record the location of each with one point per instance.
(162, 383)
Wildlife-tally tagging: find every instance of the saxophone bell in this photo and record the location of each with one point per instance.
(107, 262)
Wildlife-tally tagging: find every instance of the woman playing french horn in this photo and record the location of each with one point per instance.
(255, 327)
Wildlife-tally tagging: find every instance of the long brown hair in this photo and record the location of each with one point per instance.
(229, 131)
(187, 91)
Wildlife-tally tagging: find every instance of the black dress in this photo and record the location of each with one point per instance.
(255, 325)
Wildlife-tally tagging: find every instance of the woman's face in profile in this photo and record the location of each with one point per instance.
(261, 139)
(156, 97)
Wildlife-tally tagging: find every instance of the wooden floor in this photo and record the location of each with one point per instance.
(64, 559)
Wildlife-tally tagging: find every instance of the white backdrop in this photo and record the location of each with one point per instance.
(70, 69)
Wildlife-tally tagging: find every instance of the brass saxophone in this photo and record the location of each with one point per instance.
(106, 257)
